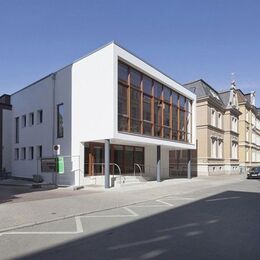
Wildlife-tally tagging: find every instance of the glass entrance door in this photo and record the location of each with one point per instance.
(98, 158)
(129, 159)
(124, 156)
(118, 157)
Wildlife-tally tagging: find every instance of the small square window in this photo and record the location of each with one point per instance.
(39, 116)
(31, 119)
(39, 151)
(23, 153)
(24, 121)
(30, 153)
(16, 154)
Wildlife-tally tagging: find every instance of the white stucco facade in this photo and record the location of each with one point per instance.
(88, 90)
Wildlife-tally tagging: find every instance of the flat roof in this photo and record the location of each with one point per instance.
(90, 53)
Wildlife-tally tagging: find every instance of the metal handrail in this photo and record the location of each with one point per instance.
(111, 164)
(139, 167)
(119, 169)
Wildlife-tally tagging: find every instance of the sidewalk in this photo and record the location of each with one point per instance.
(14, 215)
(15, 182)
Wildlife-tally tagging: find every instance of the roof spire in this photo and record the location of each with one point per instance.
(233, 81)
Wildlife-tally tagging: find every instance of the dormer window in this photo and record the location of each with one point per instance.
(214, 94)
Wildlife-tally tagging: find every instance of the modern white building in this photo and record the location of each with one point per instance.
(112, 115)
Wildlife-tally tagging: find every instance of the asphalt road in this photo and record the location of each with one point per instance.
(199, 225)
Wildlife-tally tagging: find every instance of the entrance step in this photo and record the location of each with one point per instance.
(130, 179)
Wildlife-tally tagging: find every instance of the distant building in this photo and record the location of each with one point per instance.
(217, 129)
(249, 130)
(5, 125)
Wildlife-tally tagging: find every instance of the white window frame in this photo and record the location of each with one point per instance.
(39, 151)
(213, 148)
(31, 119)
(234, 150)
(31, 153)
(24, 121)
(39, 116)
(220, 148)
(213, 117)
(16, 154)
(220, 120)
(23, 153)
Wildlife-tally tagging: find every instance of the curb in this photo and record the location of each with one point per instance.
(75, 215)
(27, 185)
(85, 213)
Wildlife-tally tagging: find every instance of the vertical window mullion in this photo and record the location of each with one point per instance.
(185, 121)
(153, 112)
(163, 107)
(178, 124)
(142, 105)
(171, 126)
(129, 101)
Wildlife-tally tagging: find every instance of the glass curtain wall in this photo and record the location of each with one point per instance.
(147, 107)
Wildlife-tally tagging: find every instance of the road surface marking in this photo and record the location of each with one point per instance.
(134, 214)
(138, 243)
(224, 198)
(79, 226)
(178, 198)
(165, 203)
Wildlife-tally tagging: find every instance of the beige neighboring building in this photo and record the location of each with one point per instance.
(249, 131)
(217, 130)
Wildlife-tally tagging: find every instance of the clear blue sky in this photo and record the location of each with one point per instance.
(187, 40)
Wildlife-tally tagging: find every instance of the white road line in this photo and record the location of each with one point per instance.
(107, 216)
(138, 243)
(179, 227)
(149, 206)
(165, 203)
(225, 198)
(178, 198)
(79, 225)
(162, 204)
(134, 214)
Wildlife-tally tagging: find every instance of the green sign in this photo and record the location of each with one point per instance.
(60, 165)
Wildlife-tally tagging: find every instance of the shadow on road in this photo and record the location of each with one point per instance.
(224, 226)
(15, 193)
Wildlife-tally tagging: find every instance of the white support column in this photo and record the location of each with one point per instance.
(79, 180)
(107, 163)
(189, 164)
(158, 165)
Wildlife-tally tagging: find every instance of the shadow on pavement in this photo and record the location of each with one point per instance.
(13, 193)
(224, 226)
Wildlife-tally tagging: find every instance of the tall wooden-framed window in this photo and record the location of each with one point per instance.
(145, 106)
(175, 115)
(158, 109)
(135, 101)
(123, 97)
(189, 120)
(182, 121)
(167, 125)
(60, 120)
